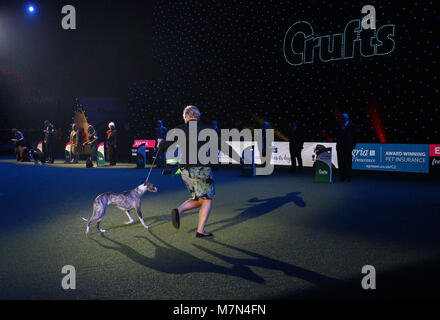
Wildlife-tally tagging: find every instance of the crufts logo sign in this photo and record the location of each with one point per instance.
(301, 45)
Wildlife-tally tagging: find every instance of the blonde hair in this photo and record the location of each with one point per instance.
(192, 112)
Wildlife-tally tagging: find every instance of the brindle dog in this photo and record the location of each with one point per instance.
(125, 200)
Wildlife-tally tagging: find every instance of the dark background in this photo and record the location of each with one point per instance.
(226, 57)
(43, 67)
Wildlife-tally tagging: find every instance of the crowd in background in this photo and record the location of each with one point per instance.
(346, 141)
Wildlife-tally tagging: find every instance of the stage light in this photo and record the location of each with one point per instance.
(31, 9)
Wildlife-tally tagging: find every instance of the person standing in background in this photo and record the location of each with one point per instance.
(19, 144)
(296, 142)
(74, 144)
(92, 140)
(112, 143)
(161, 133)
(49, 141)
(345, 143)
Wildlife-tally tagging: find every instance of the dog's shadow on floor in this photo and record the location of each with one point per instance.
(171, 260)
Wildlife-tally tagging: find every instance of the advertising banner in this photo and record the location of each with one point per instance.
(434, 150)
(309, 155)
(434, 160)
(239, 147)
(281, 153)
(391, 157)
(366, 156)
(323, 167)
(149, 144)
(101, 155)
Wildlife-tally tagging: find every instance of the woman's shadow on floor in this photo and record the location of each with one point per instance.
(259, 207)
(171, 260)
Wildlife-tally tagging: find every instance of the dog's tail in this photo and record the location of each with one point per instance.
(84, 219)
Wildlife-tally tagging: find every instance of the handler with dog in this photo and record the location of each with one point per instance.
(197, 177)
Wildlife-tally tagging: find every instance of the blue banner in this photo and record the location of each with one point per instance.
(391, 157)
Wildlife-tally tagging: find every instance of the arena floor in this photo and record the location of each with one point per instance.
(278, 236)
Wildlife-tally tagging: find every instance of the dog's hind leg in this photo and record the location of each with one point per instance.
(94, 217)
(98, 213)
(139, 213)
(91, 219)
(129, 217)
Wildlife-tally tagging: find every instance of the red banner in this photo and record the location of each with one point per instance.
(434, 150)
(148, 143)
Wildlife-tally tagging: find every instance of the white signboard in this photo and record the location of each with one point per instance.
(281, 153)
(239, 147)
(309, 156)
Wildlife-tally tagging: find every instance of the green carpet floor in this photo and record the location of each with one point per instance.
(274, 235)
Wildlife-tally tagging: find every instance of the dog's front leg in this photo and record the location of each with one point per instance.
(140, 217)
(98, 227)
(129, 217)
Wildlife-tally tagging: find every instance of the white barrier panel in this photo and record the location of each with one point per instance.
(409, 158)
(239, 147)
(309, 156)
(281, 153)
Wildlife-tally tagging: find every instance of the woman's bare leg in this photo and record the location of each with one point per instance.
(205, 209)
(189, 205)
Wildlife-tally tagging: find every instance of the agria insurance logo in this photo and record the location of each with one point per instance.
(359, 39)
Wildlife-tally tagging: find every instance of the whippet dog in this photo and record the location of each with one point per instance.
(125, 200)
